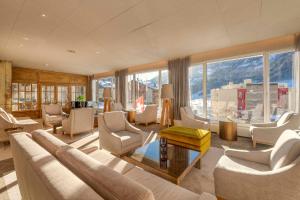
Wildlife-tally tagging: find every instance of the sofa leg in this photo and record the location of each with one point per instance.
(254, 144)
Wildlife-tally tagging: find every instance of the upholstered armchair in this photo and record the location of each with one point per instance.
(9, 124)
(117, 107)
(268, 133)
(52, 113)
(117, 135)
(272, 174)
(80, 120)
(189, 119)
(148, 116)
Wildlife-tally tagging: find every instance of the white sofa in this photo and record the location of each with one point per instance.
(80, 120)
(189, 119)
(148, 116)
(272, 174)
(49, 169)
(117, 135)
(268, 133)
(52, 113)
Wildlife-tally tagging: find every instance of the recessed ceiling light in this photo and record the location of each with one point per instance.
(26, 38)
(46, 64)
(98, 52)
(71, 51)
(21, 45)
(43, 15)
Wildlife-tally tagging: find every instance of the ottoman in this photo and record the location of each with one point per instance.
(191, 138)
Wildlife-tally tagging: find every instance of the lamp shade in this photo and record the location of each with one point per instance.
(167, 91)
(107, 93)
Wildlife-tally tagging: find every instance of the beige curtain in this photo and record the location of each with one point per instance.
(178, 76)
(121, 86)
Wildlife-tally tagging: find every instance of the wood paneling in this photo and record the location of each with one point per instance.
(5, 85)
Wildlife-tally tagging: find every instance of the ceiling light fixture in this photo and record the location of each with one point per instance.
(71, 51)
(43, 15)
(98, 52)
(26, 38)
(21, 45)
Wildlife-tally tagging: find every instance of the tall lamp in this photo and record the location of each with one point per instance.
(107, 99)
(166, 95)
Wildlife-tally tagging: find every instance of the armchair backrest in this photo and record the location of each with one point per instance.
(286, 150)
(151, 110)
(81, 119)
(186, 113)
(284, 118)
(117, 107)
(52, 109)
(115, 121)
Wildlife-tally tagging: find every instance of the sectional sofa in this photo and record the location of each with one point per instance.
(49, 169)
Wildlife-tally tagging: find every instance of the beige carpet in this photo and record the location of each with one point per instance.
(198, 181)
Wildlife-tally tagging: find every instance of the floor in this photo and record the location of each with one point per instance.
(197, 181)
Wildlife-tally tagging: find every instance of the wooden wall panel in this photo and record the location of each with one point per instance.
(5, 85)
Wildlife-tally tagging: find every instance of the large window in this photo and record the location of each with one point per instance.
(144, 88)
(62, 95)
(282, 84)
(48, 94)
(196, 86)
(235, 89)
(78, 91)
(24, 96)
(100, 85)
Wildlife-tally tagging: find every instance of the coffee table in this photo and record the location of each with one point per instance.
(168, 161)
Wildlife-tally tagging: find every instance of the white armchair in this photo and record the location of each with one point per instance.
(117, 135)
(80, 120)
(189, 119)
(268, 133)
(8, 123)
(117, 107)
(52, 113)
(149, 115)
(272, 174)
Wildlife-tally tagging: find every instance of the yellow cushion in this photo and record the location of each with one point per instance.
(186, 132)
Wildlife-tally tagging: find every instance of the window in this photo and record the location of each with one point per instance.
(48, 94)
(24, 96)
(62, 95)
(131, 91)
(100, 85)
(77, 92)
(147, 92)
(235, 89)
(195, 87)
(282, 84)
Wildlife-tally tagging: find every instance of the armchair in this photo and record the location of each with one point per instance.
(117, 107)
(10, 124)
(148, 116)
(268, 133)
(52, 113)
(188, 119)
(271, 174)
(117, 135)
(80, 120)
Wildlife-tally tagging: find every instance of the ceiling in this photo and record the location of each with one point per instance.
(114, 34)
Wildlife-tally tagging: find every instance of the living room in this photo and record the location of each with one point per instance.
(140, 99)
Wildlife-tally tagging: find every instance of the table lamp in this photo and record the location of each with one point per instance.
(166, 95)
(107, 99)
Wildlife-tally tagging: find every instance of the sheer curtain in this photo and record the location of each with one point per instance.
(178, 76)
(121, 86)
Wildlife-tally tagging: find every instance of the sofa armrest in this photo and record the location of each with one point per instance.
(262, 157)
(133, 129)
(270, 124)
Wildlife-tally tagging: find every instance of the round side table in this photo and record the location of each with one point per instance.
(131, 116)
(228, 130)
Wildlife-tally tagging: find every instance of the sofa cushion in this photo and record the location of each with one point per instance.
(115, 121)
(53, 109)
(284, 118)
(48, 141)
(286, 149)
(111, 161)
(108, 183)
(162, 189)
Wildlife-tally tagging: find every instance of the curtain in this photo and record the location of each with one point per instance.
(121, 86)
(297, 65)
(178, 76)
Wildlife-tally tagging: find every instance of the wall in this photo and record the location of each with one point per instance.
(27, 75)
(5, 85)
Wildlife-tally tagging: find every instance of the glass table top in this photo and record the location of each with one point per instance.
(167, 158)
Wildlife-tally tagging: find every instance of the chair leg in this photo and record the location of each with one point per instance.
(254, 144)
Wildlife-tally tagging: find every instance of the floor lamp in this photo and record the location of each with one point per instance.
(166, 95)
(107, 99)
